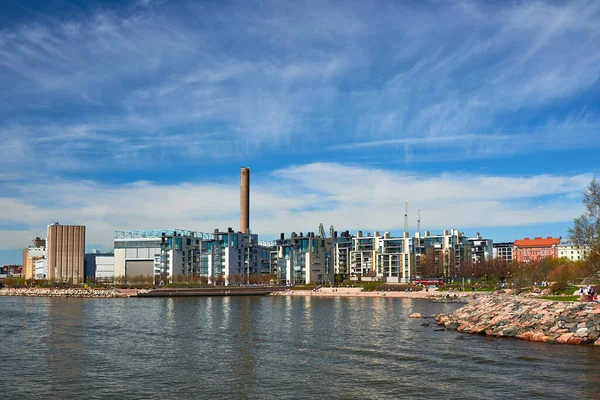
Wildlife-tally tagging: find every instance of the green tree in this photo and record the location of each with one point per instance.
(586, 227)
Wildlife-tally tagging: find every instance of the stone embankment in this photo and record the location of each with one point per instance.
(52, 292)
(527, 319)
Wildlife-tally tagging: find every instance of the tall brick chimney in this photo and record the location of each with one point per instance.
(244, 199)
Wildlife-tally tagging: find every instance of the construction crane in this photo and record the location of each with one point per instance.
(405, 217)
(321, 231)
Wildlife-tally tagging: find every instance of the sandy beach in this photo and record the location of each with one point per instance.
(358, 292)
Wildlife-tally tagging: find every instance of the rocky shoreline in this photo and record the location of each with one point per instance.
(55, 292)
(527, 319)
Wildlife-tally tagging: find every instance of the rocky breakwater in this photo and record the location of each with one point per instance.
(527, 319)
(53, 292)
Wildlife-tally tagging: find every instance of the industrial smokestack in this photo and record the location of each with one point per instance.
(244, 199)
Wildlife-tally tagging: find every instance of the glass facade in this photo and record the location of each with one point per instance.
(127, 244)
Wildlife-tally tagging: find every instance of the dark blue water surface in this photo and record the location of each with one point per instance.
(270, 347)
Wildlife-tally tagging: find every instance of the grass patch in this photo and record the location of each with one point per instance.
(468, 288)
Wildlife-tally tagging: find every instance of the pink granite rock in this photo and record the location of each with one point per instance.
(574, 340)
(564, 338)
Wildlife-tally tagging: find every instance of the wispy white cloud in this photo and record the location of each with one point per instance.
(294, 198)
(307, 74)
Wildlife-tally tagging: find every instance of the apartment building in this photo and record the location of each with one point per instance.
(302, 259)
(572, 251)
(341, 251)
(396, 258)
(503, 251)
(441, 255)
(363, 255)
(482, 250)
(533, 250)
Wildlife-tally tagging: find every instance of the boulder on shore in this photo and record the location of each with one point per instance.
(416, 315)
(527, 319)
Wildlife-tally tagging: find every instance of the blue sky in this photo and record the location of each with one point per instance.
(138, 115)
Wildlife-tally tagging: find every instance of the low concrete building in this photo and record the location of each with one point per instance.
(99, 267)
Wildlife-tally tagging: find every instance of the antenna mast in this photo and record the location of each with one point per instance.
(419, 227)
(405, 217)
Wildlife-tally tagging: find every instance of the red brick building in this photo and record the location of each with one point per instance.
(532, 250)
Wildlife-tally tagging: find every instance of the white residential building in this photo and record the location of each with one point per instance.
(573, 252)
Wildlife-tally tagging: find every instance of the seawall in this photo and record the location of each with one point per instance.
(52, 292)
(527, 319)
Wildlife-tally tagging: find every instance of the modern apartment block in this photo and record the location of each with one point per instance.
(573, 252)
(232, 255)
(532, 250)
(396, 258)
(65, 252)
(442, 255)
(503, 251)
(341, 253)
(363, 256)
(173, 254)
(303, 259)
(481, 249)
(382, 257)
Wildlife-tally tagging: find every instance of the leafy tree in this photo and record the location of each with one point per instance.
(586, 227)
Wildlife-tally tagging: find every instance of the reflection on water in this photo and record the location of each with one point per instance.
(270, 347)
